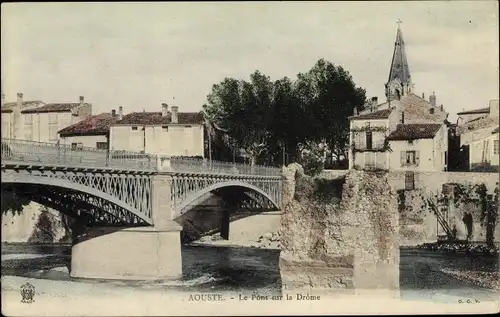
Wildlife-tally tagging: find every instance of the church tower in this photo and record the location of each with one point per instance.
(399, 83)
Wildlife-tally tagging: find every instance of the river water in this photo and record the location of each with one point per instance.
(242, 269)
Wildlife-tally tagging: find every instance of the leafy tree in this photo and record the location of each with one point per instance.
(330, 95)
(13, 201)
(287, 121)
(266, 118)
(242, 109)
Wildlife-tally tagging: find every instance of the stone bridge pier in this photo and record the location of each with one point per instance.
(134, 253)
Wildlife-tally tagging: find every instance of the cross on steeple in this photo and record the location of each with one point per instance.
(399, 82)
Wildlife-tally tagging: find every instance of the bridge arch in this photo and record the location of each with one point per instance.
(197, 194)
(41, 181)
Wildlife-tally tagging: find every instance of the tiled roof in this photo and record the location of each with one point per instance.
(147, 118)
(7, 107)
(380, 114)
(414, 131)
(53, 107)
(482, 110)
(94, 125)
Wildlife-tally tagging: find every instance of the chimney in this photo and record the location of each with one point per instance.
(494, 108)
(423, 96)
(175, 114)
(441, 107)
(17, 127)
(19, 99)
(402, 117)
(164, 109)
(355, 111)
(81, 100)
(113, 113)
(375, 101)
(432, 99)
(120, 112)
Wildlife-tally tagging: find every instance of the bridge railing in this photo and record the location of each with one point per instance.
(192, 165)
(23, 151)
(32, 152)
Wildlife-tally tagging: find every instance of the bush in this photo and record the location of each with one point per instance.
(313, 158)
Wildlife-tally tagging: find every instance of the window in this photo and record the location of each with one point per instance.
(134, 128)
(102, 145)
(52, 132)
(28, 132)
(495, 147)
(164, 128)
(76, 146)
(28, 119)
(409, 181)
(369, 140)
(187, 126)
(409, 158)
(432, 110)
(445, 157)
(53, 118)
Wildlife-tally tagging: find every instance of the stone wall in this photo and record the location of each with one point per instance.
(339, 234)
(417, 224)
(433, 181)
(36, 224)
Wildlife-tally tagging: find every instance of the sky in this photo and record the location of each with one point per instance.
(138, 55)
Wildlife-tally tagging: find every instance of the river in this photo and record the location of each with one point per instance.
(230, 269)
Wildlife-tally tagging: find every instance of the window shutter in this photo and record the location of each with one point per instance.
(403, 158)
(417, 157)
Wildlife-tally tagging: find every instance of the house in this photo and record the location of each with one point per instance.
(91, 132)
(37, 121)
(418, 147)
(471, 115)
(479, 140)
(12, 120)
(171, 133)
(406, 132)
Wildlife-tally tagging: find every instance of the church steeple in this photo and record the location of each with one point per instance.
(399, 82)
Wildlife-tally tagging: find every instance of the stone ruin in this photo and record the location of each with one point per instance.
(339, 235)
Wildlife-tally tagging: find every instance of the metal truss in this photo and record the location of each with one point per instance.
(131, 192)
(185, 185)
(132, 189)
(83, 207)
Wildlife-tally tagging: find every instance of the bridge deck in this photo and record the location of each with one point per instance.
(30, 154)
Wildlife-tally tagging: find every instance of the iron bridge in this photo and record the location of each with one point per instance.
(103, 187)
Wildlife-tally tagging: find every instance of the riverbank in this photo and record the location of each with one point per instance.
(489, 280)
(269, 241)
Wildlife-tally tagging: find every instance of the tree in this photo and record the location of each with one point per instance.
(288, 121)
(267, 119)
(13, 201)
(242, 109)
(330, 96)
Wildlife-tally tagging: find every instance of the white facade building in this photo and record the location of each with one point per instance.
(170, 133)
(37, 121)
(479, 137)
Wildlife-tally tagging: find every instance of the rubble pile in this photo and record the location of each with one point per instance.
(480, 248)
